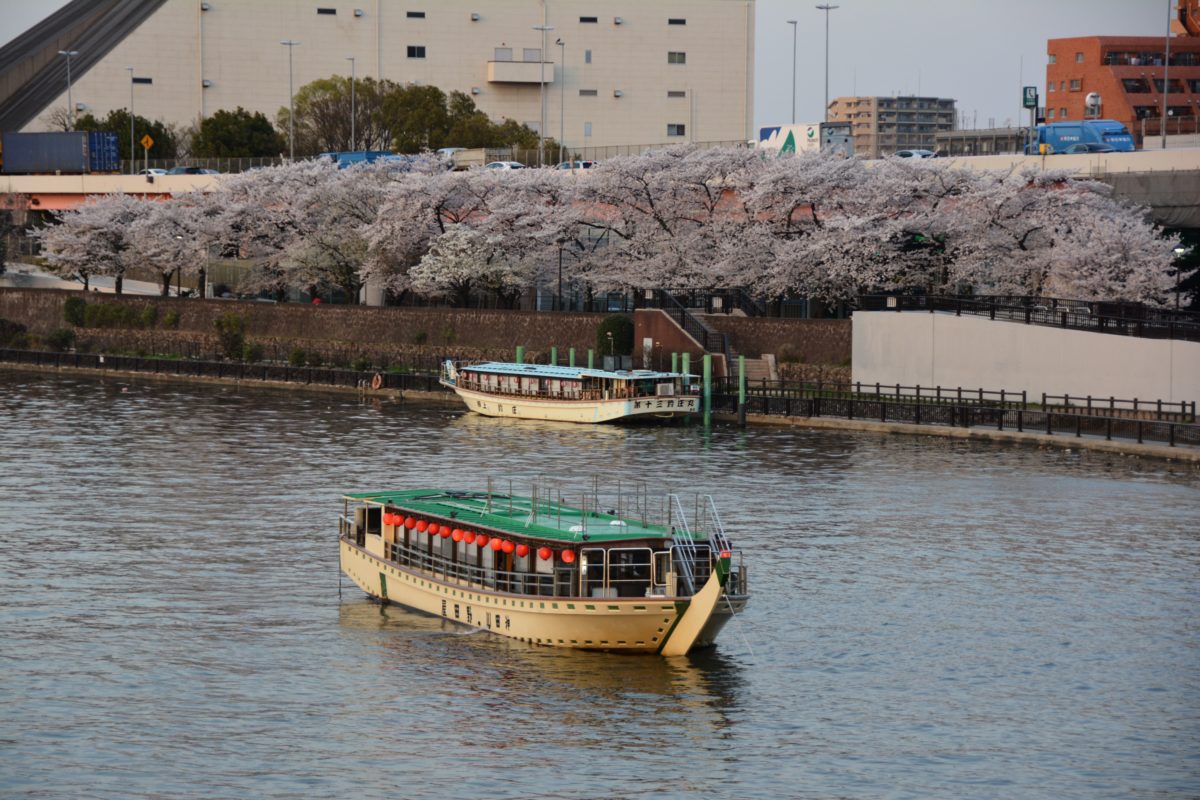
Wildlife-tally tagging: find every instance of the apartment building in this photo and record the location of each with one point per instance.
(606, 72)
(883, 125)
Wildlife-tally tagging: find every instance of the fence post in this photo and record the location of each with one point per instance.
(1000, 419)
(850, 409)
(1001, 398)
(1024, 404)
(1139, 430)
(1020, 420)
(953, 421)
(882, 411)
(1078, 426)
(1158, 413)
(1049, 424)
(1108, 429)
(917, 412)
(1171, 434)
(1089, 404)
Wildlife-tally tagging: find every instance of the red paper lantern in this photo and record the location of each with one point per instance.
(410, 523)
(496, 544)
(482, 540)
(444, 531)
(456, 535)
(469, 537)
(507, 546)
(387, 518)
(544, 553)
(568, 556)
(422, 526)
(522, 550)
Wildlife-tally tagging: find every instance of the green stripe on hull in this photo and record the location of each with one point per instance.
(680, 608)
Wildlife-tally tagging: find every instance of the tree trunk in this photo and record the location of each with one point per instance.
(201, 290)
(86, 281)
(166, 286)
(120, 283)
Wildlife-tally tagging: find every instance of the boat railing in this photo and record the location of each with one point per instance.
(684, 553)
(556, 584)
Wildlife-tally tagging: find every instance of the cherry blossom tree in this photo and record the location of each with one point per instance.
(92, 239)
(167, 238)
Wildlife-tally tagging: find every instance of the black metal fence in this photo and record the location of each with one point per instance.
(404, 379)
(969, 414)
(1125, 319)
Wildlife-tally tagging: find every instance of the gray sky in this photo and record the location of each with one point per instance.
(978, 52)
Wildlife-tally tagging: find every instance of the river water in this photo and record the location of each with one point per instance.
(931, 618)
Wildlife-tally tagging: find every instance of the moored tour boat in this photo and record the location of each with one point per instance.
(621, 572)
(570, 394)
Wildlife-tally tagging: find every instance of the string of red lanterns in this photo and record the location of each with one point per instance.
(471, 537)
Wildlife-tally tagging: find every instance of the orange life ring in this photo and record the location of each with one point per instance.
(377, 381)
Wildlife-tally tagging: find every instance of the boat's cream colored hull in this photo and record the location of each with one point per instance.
(590, 411)
(632, 625)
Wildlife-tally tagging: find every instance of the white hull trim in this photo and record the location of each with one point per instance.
(588, 411)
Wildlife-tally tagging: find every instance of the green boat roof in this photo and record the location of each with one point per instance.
(515, 515)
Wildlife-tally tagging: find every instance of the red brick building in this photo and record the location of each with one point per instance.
(1128, 72)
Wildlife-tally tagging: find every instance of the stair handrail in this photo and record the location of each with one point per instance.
(683, 546)
(700, 330)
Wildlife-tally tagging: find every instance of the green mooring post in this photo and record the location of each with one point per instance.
(571, 357)
(520, 354)
(591, 358)
(674, 362)
(742, 391)
(554, 356)
(687, 363)
(707, 389)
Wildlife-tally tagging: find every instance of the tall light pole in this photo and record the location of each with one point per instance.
(826, 8)
(70, 102)
(542, 95)
(352, 77)
(132, 152)
(562, 101)
(793, 22)
(289, 44)
(1166, 76)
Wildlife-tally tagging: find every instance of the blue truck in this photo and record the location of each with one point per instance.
(1080, 136)
(60, 153)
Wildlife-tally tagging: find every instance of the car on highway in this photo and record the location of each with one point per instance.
(152, 171)
(914, 154)
(191, 171)
(1090, 147)
(576, 165)
(504, 165)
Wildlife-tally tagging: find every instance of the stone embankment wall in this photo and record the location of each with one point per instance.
(386, 335)
(799, 341)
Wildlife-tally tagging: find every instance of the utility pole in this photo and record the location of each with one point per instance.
(542, 90)
(826, 7)
(352, 109)
(132, 152)
(793, 23)
(70, 102)
(290, 44)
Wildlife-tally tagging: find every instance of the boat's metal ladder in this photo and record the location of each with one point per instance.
(707, 519)
(682, 544)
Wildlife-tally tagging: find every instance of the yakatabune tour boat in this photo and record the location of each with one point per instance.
(623, 572)
(570, 394)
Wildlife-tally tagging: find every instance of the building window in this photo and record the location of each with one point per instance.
(1135, 85)
(676, 58)
(589, 20)
(587, 129)
(326, 10)
(416, 51)
(143, 80)
(1062, 113)
(502, 54)
(676, 21)
(531, 54)
(587, 56)
(416, 15)
(588, 93)
(1194, 85)
(1050, 113)
(1053, 58)
(1079, 58)
(1075, 85)
(676, 129)
(1176, 85)
(676, 93)
(1050, 87)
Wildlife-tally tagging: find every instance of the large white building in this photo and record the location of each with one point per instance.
(626, 72)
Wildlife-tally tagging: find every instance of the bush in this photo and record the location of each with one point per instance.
(313, 359)
(231, 330)
(13, 334)
(296, 357)
(61, 340)
(113, 315)
(252, 352)
(73, 310)
(621, 328)
(171, 319)
(148, 316)
(360, 364)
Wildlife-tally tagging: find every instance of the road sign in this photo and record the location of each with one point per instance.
(147, 142)
(1030, 97)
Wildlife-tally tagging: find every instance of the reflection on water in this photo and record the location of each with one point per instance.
(930, 618)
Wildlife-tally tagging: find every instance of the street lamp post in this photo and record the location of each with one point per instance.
(70, 102)
(558, 300)
(289, 44)
(132, 152)
(826, 7)
(793, 23)
(542, 95)
(352, 115)
(1166, 76)
(562, 112)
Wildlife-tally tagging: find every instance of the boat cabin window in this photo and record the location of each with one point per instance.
(592, 576)
(629, 571)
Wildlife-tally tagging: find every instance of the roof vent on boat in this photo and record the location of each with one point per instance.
(619, 522)
(576, 529)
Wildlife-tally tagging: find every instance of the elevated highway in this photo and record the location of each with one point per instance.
(1166, 181)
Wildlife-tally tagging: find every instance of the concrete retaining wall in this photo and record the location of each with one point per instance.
(972, 352)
